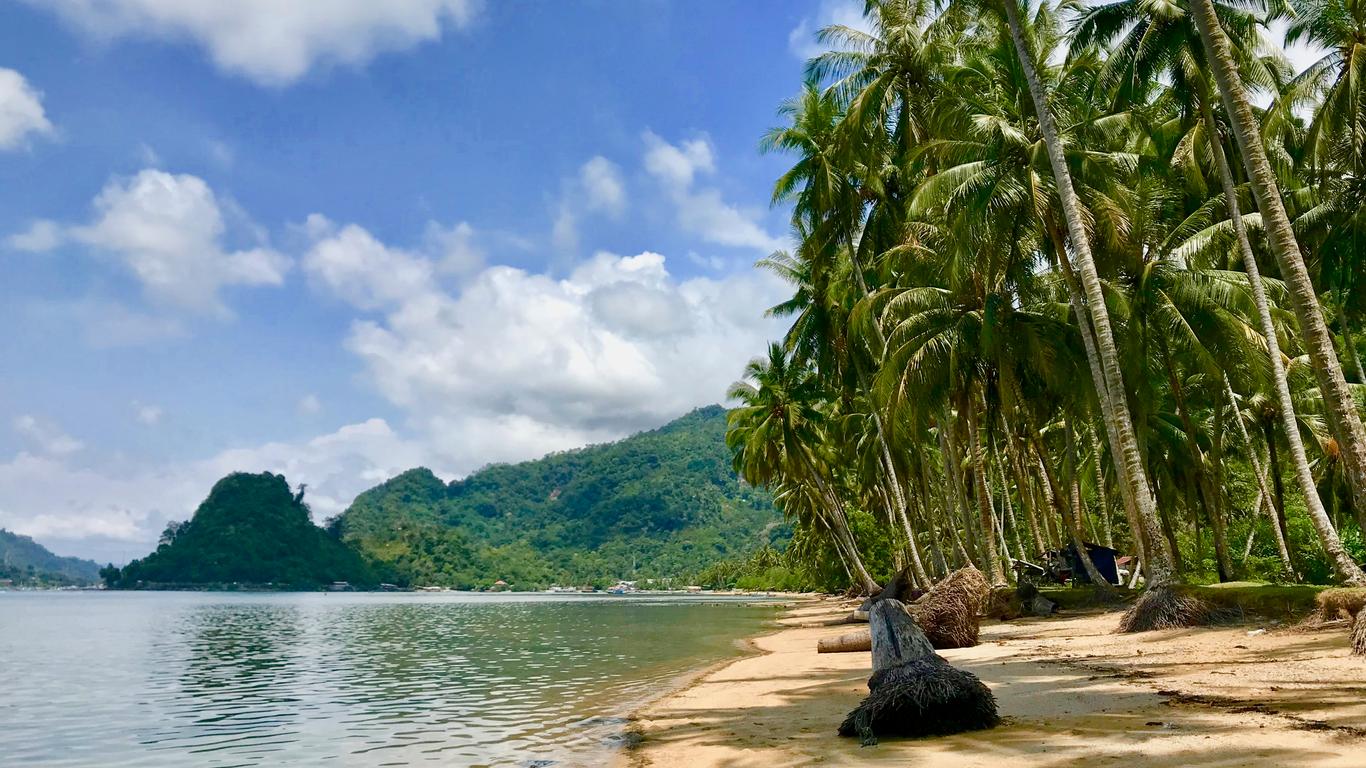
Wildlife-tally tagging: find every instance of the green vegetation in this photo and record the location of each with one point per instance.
(661, 505)
(25, 562)
(1058, 278)
(251, 531)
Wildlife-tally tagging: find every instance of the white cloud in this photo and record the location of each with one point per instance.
(147, 414)
(597, 188)
(169, 231)
(310, 404)
(604, 189)
(455, 248)
(268, 41)
(515, 364)
(21, 111)
(359, 269)
(221, 154)
(47, 438)
(42, 235)
(701, 210)
(116, 511)
(801, 41)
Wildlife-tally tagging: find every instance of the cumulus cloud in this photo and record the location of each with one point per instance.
(116, 511)
(21, 111)
(515, 364)
(701, 210)
(310, 404)
(271, 42)
(170, 232)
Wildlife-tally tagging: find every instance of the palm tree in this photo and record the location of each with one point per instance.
(1110, 383)
(1338, 402)
(775, 433)
(827, 200)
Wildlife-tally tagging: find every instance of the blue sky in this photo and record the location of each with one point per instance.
(346, 238)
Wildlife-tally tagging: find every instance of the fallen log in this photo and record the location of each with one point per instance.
(846, 643)
(913, 691)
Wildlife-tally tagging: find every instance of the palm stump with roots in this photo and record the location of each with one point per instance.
(914, 691)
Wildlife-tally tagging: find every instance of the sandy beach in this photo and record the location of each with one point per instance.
(1069, 689)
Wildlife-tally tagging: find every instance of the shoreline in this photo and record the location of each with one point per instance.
(1068, 688)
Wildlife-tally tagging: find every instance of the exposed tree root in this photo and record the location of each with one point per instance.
(925, 697)
(950, 614)
(1165, 607)
(1339, 602)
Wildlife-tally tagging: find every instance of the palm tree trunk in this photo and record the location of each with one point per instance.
(948, 446)
(1160, 563)
(893, 478)
(1026, 495)
(1204, 488)
(840, 526)
(1263, 492)
(1337, 398)
(1009, 509)
(1102, 504)
(1069, 519)
(990, 555)
(1346, 569)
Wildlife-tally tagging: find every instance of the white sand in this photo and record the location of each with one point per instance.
(1069, 689)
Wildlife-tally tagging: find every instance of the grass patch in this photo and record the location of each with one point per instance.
(1240, 600)
(1082, 597)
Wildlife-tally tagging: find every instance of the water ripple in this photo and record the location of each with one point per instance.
(214, 680)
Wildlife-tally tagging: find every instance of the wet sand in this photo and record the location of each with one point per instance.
(1068, 688)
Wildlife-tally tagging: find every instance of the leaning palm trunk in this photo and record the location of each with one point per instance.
(1337, 398)
(1346, 569)
(839, 527)
(1263, 493)
(893, 478)
(990, 555)
(1160, 564)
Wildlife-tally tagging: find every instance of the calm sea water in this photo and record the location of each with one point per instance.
(212, 679)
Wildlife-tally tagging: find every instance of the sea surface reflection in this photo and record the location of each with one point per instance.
(213, 679)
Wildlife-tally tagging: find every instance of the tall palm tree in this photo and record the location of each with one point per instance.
(776, 432)
(1338, 402)
(1110, 385)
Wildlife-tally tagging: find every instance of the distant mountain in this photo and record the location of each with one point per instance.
(26, 561)
(251, 530)
(659, 504)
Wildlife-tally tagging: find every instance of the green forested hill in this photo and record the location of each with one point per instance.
(251, 530)
(664, 503)
(26, 561)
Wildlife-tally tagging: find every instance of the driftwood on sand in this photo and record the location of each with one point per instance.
(850, 642)
(913, 691)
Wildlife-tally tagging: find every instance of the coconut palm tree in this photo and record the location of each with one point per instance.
(1339, 405)
(1110, 381)
(776, 433)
